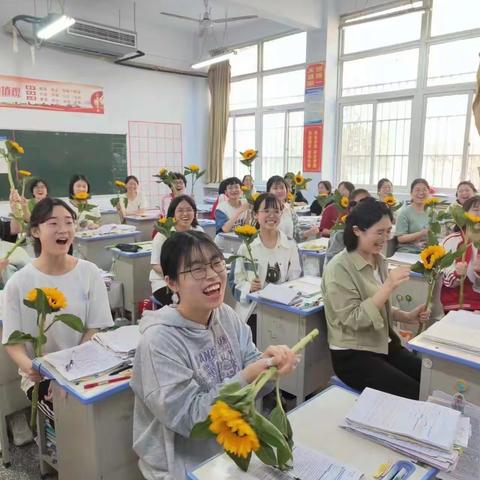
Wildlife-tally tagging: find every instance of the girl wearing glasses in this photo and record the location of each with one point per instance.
(186, 354)
(184, 211)
(179, 184)
(276, 256)
(234, 210)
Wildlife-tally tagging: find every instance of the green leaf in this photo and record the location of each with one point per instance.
(266, 454)
(432, 238)
(229, 388)
(279, 419)
(40, 304)
(201, 430)
(417, 268)
(70, 320)
(17, 337)
(435, 228)
(201, 173)
(114, 201)
(242, 463)
(268, 432)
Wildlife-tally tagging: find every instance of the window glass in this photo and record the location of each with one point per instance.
(285, 51)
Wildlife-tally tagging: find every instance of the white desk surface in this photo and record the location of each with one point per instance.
(423, 345)
(315, 425)
(86, 237)
(148, 215)
(230, 236)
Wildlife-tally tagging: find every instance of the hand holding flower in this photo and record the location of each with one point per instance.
(461, 268)
(255, 285)
(419, 314)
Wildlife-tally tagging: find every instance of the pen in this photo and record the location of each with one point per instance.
(120, 369)
(401, 474)
(106, 382)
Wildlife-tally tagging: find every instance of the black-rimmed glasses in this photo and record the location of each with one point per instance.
(200, 272)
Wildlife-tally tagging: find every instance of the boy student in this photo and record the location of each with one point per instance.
(187, 352)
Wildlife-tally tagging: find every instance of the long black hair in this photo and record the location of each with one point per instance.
(41, 213)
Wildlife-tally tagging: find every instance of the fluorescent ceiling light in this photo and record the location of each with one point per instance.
(213, 60)
(55, 26)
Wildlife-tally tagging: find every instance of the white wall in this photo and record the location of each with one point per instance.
(130, 94)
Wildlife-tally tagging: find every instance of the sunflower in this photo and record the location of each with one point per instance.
(233, 433)
(431, 201)
(249, 154)
(298, 179)
(246, 230)
(56, 299)
(81, 196)
(16, 147)
(164, 220)
(344, 202)
(290, 197)
(343, 218)
(255, 196)
(390, 200)
(472, 217)
(162, 172)
(193, 168)
(25, 173)
(431, 254)
(119, 184)
(244, 188)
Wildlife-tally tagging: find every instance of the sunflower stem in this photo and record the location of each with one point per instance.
(431, 285)
(38, 353)
(265, 377)
(461, 294)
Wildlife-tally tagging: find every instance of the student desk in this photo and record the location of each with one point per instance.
(144, 223)
(312, 254)
(315, 425)
(91, 247)
(302, 210)
(132, 270)
(447, 369)
(229, 242)
(94, 430)
(279, 324)
(204, 210)
(109, 216)
(12, 398)
(209, 226)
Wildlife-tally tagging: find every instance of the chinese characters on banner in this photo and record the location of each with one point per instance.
(32, 93)
(313, 127)
(312, 148)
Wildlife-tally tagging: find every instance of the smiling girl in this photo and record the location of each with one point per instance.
(276, 256)
(91, 219)
(187, 352)
(52, 226)
(184, 211)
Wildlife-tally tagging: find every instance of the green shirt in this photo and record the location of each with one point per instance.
(353, 320)
(410, 220)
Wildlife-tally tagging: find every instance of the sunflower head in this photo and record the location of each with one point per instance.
(15, 146)
(162, 172)
(81, 196)
(249, 154)
(472, 217)
(56, 299)
(255, 196)
(246, 230)
(430, 256)
(119, 184)
(233, 432)
(244, 188)
(344, 202)
(431, 201)
(25, 173)
(193, 168)
(390, 200)
(299, 179)
(343, 218)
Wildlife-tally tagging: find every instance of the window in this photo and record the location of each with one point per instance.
(266, 106)
(282, 143)
(240, 135)
(416, 67)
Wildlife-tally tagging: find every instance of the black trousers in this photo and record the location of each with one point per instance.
(397, 373)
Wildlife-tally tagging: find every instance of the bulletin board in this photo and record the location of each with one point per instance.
(154, 145)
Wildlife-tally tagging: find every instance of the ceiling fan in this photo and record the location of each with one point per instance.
(206, 21)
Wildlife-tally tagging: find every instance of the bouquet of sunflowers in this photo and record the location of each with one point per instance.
(195, 172)
(434, 258)
(241, 430)
(44, 301)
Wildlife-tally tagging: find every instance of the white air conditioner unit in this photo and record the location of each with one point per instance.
(89, 37)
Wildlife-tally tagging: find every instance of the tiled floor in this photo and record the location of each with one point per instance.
(24, 464)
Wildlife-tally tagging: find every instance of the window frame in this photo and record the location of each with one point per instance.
(418, 95)
(260, 110)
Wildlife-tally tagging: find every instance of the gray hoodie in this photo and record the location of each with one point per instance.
(178, 370)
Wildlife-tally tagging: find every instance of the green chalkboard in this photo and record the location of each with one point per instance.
(56, 156)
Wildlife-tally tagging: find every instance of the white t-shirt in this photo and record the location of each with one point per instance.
(86, 296)
(133, 206)
(157, 280)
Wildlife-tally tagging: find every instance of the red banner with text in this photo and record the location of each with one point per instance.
(32, 93)
(312, 148)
